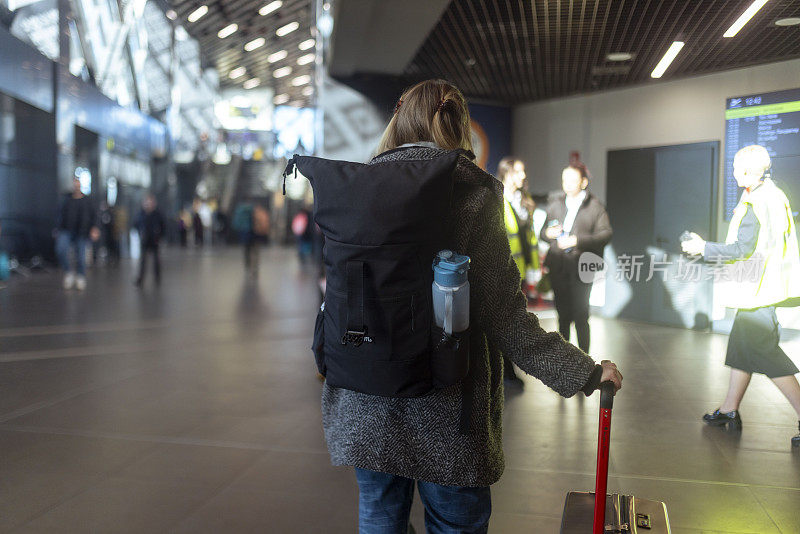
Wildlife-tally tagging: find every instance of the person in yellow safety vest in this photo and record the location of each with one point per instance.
(521, 237)
(763, 264)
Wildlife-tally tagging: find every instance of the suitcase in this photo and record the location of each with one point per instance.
(584, 513)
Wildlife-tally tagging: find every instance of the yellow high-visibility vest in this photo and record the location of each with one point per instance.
(515, 242)
(772, 272)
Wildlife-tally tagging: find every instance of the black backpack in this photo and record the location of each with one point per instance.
(383, 224)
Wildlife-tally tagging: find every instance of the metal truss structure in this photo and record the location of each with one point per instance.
(134, 53)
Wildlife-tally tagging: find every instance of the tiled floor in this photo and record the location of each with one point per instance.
(195, 408)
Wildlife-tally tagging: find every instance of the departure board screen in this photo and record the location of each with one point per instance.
(771, 120)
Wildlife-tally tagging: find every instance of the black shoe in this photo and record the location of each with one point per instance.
(717, 418)
(796, 439)
(139, 282)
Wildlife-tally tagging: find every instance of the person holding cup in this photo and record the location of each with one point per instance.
(577, 222)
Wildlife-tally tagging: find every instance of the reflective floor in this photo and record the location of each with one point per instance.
(194, 407)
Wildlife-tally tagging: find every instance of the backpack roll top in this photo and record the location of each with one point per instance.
(382, 224)
(380, 204)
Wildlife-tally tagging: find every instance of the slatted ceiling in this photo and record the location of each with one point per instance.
(515, 51)
(227, 54)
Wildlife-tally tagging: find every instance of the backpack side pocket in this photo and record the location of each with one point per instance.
(449, 357)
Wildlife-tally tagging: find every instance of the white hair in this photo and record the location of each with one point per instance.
(754, 158)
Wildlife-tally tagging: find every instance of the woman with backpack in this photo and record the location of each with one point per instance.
(397, 443)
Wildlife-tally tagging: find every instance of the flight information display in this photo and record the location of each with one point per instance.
(771, 120)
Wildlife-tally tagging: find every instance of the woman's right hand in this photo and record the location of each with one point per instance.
(611, 373)
(695, 246)
(553, 232)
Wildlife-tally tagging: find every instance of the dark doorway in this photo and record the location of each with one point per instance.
(654, 194)
(28, 187)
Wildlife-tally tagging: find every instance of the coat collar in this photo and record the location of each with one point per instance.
(466, 172)
(561, 197)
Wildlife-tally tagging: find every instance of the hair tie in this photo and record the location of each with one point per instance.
(397, 106)
(440, 105)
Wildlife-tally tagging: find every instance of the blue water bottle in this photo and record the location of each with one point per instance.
(451, 292)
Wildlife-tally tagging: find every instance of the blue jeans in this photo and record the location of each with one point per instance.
(64, 242)
(384, 505)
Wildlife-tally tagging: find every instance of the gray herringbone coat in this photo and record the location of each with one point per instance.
(419, 438)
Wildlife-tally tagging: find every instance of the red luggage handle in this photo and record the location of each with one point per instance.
(603, 442)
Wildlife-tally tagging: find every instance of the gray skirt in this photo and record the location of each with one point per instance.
(753, 344)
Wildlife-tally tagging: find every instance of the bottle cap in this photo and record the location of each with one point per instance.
(450, 269)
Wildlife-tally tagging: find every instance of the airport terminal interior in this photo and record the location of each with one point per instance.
(204, 313)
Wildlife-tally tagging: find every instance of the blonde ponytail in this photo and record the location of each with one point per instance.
(433, 111)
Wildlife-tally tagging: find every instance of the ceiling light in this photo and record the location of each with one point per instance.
(790, 21)
(238, 72)
(667, 59)
(306, 59)
(282, 72)
(227, 31)
(308, 91)
(305, 45)
(281, 99)
(255, 43)
(171, 15)
(197, 14)
(325, 24)
(619, 56)
(269, 8)
(301, 80)
(744, 18)
(251, 83)
(286, 30)
(277, 56)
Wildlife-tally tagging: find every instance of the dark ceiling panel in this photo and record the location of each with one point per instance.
(515, 51)
(228, 54)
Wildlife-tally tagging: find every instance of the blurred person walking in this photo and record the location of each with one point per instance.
(252, 223)
(197, 224)
(109, 231)
(577, 222)
(150, 225)
(5, 266)
(122, 229)
(761, 240)
(397, 443)
(184, 223)
(262, 223)
(303, 230)
(522, 240)
(76, 225)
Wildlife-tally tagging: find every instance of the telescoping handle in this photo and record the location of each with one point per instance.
(603, 443)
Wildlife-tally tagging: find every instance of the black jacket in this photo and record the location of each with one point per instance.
(76, 215)
(150, 226)
(745, 245)
(592, 228)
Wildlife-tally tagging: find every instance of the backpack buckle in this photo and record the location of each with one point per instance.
(356, 338)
